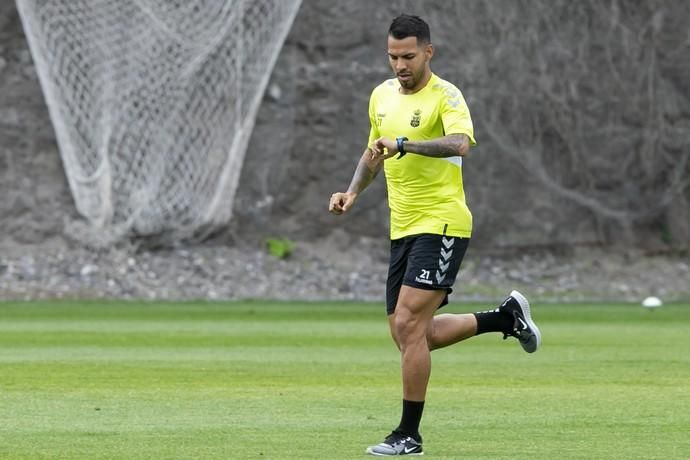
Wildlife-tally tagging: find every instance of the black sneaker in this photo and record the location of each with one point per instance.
(524, 328)
(397, 443)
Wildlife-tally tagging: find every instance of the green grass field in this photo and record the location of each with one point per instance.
(289, 380)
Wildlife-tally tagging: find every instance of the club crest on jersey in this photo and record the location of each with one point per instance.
(416, 117)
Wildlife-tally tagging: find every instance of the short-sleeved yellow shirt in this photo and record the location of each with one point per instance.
(425, 195)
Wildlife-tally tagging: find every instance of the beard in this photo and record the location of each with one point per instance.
(411, 79)
(409, 83)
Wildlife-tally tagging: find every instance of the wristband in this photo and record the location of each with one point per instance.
(401, 146)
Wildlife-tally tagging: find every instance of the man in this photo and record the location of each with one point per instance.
(420, 130)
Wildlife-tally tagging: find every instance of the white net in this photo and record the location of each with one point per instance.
(153, 103)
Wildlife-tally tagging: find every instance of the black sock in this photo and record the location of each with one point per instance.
(493, 321)
(411, 416)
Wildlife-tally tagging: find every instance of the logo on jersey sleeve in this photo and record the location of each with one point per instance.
(379, 119)
(416, 118)
(452, 94)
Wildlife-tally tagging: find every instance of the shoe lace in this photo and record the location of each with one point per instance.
(396, 437)
(517, 330)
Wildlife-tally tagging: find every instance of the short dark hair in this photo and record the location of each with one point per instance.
(406, 25)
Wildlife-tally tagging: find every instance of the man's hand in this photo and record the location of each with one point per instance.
(383, 149)
(367, 169)
(341, 202)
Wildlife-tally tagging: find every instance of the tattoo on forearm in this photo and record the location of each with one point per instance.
(443, 147)
(363, 175)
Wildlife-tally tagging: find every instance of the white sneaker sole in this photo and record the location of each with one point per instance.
(524, 306)
(370, 451)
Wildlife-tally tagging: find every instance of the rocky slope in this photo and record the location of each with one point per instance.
(526, 235)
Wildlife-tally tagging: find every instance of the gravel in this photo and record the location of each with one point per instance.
(340, 267)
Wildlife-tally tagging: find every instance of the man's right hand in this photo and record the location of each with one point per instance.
(341, 202)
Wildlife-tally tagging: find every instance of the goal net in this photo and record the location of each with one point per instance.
(153, 103)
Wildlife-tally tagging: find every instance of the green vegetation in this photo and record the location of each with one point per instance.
(280, 247)
(257, 380)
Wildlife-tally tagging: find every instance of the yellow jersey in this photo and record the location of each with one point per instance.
(425, 194)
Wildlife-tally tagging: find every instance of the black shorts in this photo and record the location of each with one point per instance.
(424, 261)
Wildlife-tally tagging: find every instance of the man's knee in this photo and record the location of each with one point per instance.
(408, 324)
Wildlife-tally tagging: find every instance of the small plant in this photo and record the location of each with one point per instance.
(280, 247)
(665, 235)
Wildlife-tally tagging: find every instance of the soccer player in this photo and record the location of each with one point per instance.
(420, 131)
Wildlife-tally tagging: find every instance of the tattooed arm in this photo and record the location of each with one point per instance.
(452, 145)
(367, 169)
